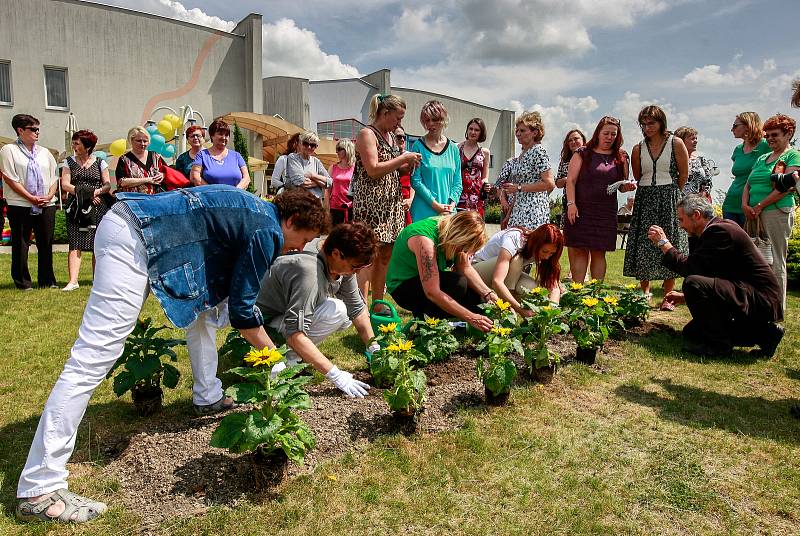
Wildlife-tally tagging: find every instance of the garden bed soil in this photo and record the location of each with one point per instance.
(170, 471)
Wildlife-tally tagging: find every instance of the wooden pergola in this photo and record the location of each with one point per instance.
(275, 133)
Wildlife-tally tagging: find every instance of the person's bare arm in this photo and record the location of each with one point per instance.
(196, 177)
(245, 182)
(636, 163)
(257, 337)
(499, 282)
(366, 146)
(308, 352)
(425, 253)
(682, 159)
(363, 326)
(573, 172)
(66, 180)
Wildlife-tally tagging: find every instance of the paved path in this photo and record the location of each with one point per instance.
(57, 248)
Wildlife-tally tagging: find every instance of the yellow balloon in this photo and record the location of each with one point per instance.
(174, 119)
(165, 127)
(118, 147)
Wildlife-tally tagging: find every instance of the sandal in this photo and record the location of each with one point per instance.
(86, 508)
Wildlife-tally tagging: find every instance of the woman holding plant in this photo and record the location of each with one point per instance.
(501, 263)
(591, 225)
(193, 249)
(420, 275)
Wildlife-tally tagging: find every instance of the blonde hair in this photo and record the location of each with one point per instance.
(433, 110)
(532, 120)
(349, 149)
(461, 233)
(135, 131)
(685, 132)
(309, 137)
(753, 125)
(380, 104)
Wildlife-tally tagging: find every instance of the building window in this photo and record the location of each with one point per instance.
(339, 129)
(5, 83)
(56, 88)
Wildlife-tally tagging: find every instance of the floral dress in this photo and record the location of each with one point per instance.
(472, 180)
(531, 209)
(379, 202)
(701, 170)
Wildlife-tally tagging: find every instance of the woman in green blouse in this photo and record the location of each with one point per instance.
(760, 201)
(748, 127)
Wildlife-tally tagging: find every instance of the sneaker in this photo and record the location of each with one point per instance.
(70, 287)
(223, 404)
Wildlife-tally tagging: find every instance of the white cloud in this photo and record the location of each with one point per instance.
(287, 50)
(712, 75)
(293, 51)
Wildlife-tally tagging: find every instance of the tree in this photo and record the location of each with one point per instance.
(240, 146)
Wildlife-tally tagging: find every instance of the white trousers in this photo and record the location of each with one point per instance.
(118, 293)
(328, 318)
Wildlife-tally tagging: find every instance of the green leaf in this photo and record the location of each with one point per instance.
(245, 393)
(229, 431)
(171, 376)
(258, 430)
(123, 382)
(143, 368)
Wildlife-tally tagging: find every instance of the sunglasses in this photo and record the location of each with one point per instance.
(308, 144)
(32, 129)
(737, 125)
(399, 137)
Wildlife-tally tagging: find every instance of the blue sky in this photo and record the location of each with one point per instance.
(575, 61)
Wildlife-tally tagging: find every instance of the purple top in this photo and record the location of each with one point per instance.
(226, 171)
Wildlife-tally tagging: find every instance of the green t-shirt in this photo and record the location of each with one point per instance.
(742, 166)
(761, 186)
(403, 264)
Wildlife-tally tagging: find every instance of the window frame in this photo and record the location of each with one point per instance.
(65, 70)
(10, 85)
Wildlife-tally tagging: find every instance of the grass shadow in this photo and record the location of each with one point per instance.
(700, 408)
(793, 374)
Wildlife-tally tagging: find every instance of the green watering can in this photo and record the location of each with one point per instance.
(384, 318)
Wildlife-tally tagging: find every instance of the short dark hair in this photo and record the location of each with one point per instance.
(656, 114)
(356, 241)
(306, 208)
(23, 120)
(218, 125)
(87, 138)
(478, 121)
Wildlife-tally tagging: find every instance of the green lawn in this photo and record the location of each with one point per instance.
(651, 442)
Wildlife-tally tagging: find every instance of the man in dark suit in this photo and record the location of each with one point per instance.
(731, 292)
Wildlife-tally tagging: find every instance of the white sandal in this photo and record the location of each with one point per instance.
(86, 508)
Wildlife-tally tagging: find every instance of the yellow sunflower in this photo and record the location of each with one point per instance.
(503, 332)
(265, 356)
(576, 286)
(503, 305)
(432, 322)
(388, 328)
(630, 286)
(611, 300)
(590, 302)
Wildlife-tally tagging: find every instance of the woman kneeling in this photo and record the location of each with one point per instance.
(502, 263)
(430, 273)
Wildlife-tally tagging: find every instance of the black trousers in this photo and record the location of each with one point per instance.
(22, 222)
(718, 319)
(410, 295)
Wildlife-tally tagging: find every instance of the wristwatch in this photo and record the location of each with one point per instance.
(662, 242)
(519, 187)
(570, 203)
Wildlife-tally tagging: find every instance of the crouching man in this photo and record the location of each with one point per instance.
(200, 251)
(309, 296)
(730, 290)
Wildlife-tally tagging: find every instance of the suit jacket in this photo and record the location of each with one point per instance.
(725, 251)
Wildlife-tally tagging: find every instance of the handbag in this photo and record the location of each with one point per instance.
(762, 243)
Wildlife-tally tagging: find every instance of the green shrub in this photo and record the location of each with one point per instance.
(793, 262)
(60, 233)
(493, 213)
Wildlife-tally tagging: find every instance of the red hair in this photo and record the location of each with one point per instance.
(87, 138)
(192, 129)
(548, 271)
(783, 122)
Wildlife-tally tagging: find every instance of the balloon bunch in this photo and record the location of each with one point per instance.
(160, 135)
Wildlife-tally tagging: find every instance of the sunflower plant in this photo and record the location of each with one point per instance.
(385, 363)
(591, 319)
(407, 394)
(273, 425)
(633, 307)
(546, 321)
(434, 338)
(501, 312)
(494, 366)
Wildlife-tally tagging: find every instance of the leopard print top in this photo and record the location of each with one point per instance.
(379, 202)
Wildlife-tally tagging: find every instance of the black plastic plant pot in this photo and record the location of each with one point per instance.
(496, 400)
(586, 356)
(543, 374)
(267, 469)
(147, 400)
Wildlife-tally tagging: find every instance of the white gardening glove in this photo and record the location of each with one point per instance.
(345, 382)
(277, 369)
(371, 349)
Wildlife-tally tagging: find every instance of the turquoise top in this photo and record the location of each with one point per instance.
(742, 166)
(761, 186)
(437, 178)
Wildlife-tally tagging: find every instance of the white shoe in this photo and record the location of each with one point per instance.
(70, 286)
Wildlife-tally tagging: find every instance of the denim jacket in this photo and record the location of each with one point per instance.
(205, 244)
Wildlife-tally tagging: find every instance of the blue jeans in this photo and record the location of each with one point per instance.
(738, 218)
